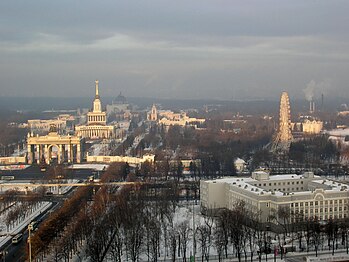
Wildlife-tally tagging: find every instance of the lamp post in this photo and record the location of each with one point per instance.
(30, 228)
(194, 243)
(4, 253)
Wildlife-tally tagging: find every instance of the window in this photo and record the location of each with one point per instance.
(306, 204)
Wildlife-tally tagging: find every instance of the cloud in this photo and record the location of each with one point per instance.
(175, 48)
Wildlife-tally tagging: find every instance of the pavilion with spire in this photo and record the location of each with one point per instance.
(96, 127)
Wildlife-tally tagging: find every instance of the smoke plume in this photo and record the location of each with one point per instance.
(316, 87)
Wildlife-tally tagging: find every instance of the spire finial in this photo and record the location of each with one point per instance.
(97, 93)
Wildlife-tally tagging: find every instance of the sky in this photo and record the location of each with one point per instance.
(190, 49)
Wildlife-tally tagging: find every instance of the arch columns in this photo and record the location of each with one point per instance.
(30, 154)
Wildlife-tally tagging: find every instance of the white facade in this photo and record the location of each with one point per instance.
(306, 195)
(312, 127)
(128, 159)
(96, 122)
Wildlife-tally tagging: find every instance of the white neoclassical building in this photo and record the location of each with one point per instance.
(304, 195)
(96, 127)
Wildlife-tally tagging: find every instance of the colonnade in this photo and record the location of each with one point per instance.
(96, 118)
(65, 152)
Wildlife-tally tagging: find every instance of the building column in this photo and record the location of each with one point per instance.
(46, 155)
(78, 153)
(70, 153)
(37, 154)
(29, 154)
(59, 154)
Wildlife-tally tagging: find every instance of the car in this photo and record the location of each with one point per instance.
(17, 238)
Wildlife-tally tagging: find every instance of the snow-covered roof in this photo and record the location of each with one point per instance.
(239, 161)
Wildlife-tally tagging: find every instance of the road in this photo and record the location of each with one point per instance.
(34, 173)
(17, 253)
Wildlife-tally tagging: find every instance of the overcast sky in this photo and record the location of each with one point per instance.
(221, 49)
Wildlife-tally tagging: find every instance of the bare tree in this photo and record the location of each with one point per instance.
(184, 231)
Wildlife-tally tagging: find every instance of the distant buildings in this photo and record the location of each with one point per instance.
(63, 123)
(312, 126)
(301, 195)
(170, 118)
(96, 127)
(120, 109)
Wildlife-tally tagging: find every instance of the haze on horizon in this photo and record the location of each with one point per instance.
(197, 49)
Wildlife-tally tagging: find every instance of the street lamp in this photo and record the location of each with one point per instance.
(3, 254)
(30, 228)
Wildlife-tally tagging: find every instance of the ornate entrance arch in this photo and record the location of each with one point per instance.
(64, 148)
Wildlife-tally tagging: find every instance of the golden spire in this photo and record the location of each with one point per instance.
(97, 93)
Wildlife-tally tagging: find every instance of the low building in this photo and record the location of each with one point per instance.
(302, 195)
(127, 159)
(312, 126)
(63, 123)
(240, 165)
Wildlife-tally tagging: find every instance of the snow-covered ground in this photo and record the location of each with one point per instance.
(100, 149)
(20, 152)
(14, 167)
(97, 167)
(338, 132)
(6, 233)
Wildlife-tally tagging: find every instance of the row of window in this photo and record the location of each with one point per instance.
(321, 203)
(281, 183)
(316, 210)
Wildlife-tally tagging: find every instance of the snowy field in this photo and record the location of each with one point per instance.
(97, 167)
(338, 132)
